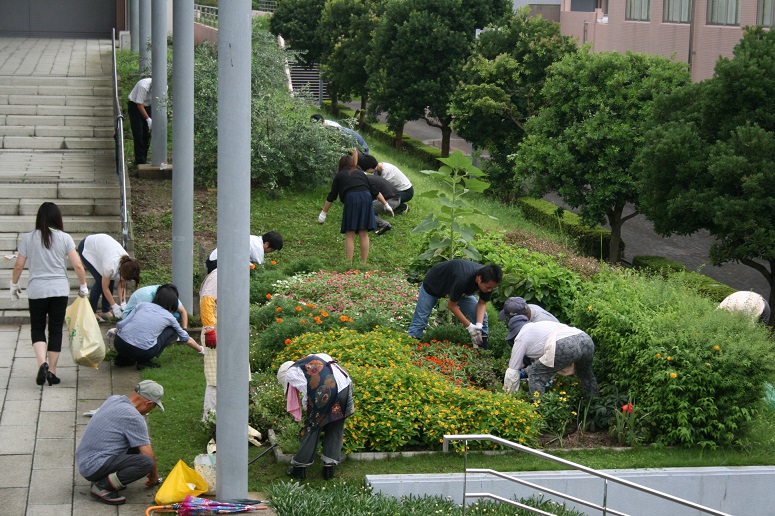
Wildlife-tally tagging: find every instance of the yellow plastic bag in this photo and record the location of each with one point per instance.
(181, 482)
(86, 343)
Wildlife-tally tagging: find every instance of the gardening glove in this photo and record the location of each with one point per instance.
(202, 351)
(322, 217)
(149, 122)
(511, 381)
(123, 306)
(116, 311)
(83, 290)
(211, 339)
(389, 210)
(476, 335)
(15, 291)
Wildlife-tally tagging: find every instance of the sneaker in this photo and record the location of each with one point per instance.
(384, 229)
(147, 365)
(106, 495)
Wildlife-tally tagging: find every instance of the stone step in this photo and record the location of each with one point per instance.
(80, 224)
(9, 241)
(68, 207)
(87, 90)
(43, 109)
(54, 191)
(72, 278)
(57, 120)
(58, 130)
(56, 82)
(6, 303)
(55, 142)
(55, 100)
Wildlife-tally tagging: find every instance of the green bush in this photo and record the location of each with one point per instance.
(657, 264)
(703, 285)
(590, 241)
(698, 372)
(534, 276)
(262, 283)
(303, 266)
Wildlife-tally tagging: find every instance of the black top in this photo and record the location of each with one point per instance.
(346, 181)
(381, 185)
(456, 278)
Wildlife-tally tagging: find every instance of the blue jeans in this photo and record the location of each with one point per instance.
(96, 289)
(425, 304)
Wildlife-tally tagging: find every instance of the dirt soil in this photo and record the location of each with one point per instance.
(579, 440)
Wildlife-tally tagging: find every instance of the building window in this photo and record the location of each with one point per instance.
(678, 11)
(765, 13)
(723, 12)
(637, 10)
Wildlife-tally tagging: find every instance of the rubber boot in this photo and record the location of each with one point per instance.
(298, 472)
(328, 471)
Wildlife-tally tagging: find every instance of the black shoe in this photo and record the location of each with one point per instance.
(123, 362)
(147, 365)
(384, 229)
(328, 471)
(42, 374)
(52, 379)
(485, 342)
(106, 495)
(298, 472)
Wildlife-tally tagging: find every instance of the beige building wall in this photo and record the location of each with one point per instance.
(611, 32)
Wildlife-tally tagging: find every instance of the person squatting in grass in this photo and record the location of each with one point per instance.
(259, 245)
(149, 329)
(460, 280)
(393, 175)
(327, 398)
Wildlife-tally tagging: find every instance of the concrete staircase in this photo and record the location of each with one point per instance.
(56, 144)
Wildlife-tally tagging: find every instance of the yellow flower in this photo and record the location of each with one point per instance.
(589, 308)
(717, 348)
(659, 355)
(673, 375)
(670, 358)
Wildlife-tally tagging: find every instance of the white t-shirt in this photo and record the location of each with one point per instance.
(141, 93)
(104, 253)
(533, 337)
(256, 250)
(395, 177)
(47, 267)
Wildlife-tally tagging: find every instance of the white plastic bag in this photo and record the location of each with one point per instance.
(86, 343)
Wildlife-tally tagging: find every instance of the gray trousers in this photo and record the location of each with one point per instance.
(333, 434)
(129, 467)
(379, 208)
(578, 349)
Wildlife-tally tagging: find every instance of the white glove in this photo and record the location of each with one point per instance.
(116, 311)
(123, 306)
(389, 210)
(511, 381)
(322, 217)
(83, 290)
(476, 335)
(15, 291)
(202, 351)
(149, 122)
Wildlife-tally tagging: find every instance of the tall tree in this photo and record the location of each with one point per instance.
(583, 143)
(501, 85)
(419, 50)
(709, 161)
(297, 22)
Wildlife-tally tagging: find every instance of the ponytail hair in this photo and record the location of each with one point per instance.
(49, 217)
(129, 269)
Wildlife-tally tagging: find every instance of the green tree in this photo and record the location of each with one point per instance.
(297, 22)
(501, 86)
(583, 143)
(419, 50)
(709, 161)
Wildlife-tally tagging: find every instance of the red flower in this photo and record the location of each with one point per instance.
(287, 341)
(627, 408)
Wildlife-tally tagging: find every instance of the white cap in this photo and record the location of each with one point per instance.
(282, 374)
(748, 302)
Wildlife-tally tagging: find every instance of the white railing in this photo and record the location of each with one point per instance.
(537, 453)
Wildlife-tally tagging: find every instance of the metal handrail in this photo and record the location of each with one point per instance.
(118, 136)
(537, 453)
(206, 15)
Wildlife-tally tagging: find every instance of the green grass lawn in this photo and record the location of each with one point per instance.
(178, 434)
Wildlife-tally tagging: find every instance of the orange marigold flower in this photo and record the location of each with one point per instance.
(343, 318)
(324, 313)
(252, 266)
(310, 305)
(298, 309)
(279, 319)
(318, 320)
(673, 375)
(269, 296)
(659, 355)
(287, 341)
(670, 358)
(273, 262)
(278, 309)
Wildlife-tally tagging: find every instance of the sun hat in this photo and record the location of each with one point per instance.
(515, 325)
(282, 374)
(747, 302)
(151, 391)
(513, 306)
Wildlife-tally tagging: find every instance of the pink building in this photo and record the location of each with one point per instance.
(665, 27)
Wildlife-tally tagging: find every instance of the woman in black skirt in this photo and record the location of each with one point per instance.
(352, 187)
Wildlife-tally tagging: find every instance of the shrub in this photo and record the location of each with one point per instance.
(262, 283)
(703, 285)
(698, 372)
(463, 365)
(400, 405)
(657, 264)
(267, 403)
(303, 266)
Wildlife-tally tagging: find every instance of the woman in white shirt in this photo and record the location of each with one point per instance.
(107, 262)
(44, 251)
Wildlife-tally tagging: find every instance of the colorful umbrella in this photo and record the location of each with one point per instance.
(193, 505)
